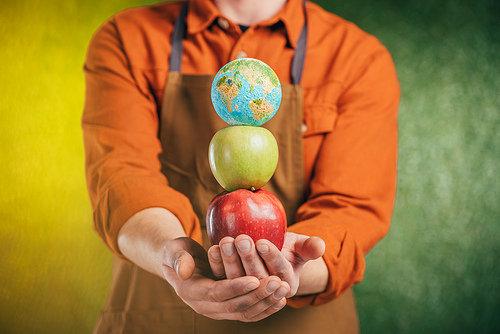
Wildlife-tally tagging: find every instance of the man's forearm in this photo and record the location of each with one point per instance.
(142, 238)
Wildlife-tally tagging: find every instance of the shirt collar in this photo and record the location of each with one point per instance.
(202, 13)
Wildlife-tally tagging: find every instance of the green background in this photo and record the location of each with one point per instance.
(437, 270)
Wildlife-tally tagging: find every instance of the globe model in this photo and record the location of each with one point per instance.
(246, 92)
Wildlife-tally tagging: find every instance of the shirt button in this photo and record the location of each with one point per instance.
(223, 23)
(241, 54)
(304, 127)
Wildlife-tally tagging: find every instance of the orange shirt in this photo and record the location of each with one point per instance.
(351, 97)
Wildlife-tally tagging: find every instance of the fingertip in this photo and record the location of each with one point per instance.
(262, 247)
(315, 247)
(265, 247)
(226, 240)
(243, 236)
(254, 279)
(244, 243)
(227, 246)
(275, 278)
(250, 283)
(214, 252)
(321, 245)
(286, 285)
(280, 304)
(184, 267)
(251, 286)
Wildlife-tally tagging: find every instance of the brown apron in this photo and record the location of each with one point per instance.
(140, 302)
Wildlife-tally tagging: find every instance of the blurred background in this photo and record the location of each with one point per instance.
(437, 271)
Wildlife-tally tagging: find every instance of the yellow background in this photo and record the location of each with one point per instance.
(437, 271)
(54, 270)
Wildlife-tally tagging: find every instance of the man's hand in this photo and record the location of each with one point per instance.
(154, 240)
(238, 257)
(245, 298)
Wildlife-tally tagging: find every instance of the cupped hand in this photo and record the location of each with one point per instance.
(240, 256)
(246, 298)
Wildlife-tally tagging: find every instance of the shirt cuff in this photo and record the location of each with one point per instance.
(344, 260)
(126, 198)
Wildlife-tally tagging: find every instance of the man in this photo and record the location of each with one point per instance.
(147, 124)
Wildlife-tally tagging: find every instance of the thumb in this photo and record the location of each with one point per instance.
(184, 265)
(310, 248)
(178, 259)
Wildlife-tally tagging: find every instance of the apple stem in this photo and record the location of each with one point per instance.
(252, 189)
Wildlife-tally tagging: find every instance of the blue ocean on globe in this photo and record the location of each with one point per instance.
(246, 92)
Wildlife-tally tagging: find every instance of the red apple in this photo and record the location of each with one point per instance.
(256, 213)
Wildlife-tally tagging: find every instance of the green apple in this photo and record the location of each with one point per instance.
(242, 157)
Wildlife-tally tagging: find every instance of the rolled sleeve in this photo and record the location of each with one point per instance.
(120, 126)
(353, 187)
(122, 200)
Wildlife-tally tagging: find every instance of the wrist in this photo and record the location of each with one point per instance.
(143, 237)
(313, 278)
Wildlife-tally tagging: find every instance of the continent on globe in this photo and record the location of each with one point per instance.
(260, 108)
(228, 90)
(246, 92)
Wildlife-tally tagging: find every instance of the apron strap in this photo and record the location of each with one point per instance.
(300, 53)
(178, 35)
